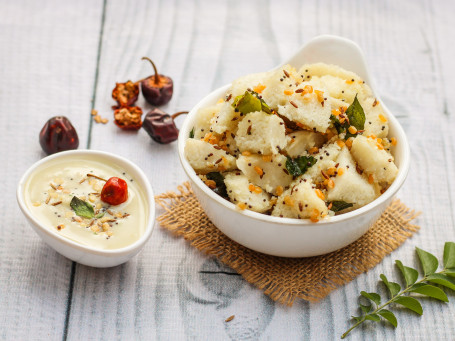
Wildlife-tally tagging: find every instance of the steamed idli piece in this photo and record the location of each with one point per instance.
(240, 85)
(349, 185)
(277, 83)
(204, 116)
(303, 140)
(261, 133)
(374, 159)
(267, 171)
(242, 192)
(301, 201)
(309, 110)
(205, 158)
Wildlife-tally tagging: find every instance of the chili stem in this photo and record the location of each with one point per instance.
(157, 76)
(178, 114)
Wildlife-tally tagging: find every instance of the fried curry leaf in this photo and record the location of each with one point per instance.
(192, 133)
(336, 123)
(299, 165)
(356, 117)
(340, 205)
(82, 208)
(250, 102)
(220, 188)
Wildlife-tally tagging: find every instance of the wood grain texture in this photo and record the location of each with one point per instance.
(47, 59)
(55, 61)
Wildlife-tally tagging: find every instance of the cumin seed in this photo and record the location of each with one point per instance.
(324, 174)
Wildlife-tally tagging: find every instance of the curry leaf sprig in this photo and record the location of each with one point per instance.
(375, 310)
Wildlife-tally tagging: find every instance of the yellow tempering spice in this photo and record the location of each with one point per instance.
(230, 318)
(241, 205)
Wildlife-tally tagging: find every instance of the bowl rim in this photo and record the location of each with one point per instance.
(142, 178)
(403, 169)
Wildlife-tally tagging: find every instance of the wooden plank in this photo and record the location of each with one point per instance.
(48, 53)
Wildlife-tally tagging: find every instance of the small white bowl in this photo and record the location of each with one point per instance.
(77, 252)
(288, 237)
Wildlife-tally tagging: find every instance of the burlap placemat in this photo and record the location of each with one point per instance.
(285, 279)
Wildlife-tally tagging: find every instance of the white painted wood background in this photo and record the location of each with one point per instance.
(63, 58)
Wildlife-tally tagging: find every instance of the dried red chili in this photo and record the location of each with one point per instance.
(128, 118)
(161, 126)
(58, 134)
(157, 89)
(125, 94)
(115, 191)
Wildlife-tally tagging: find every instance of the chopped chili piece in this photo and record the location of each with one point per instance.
(128, 118)
(125, 94)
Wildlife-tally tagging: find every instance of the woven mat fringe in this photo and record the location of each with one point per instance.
(285, 279)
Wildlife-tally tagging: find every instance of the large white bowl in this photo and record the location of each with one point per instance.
(288, 237)
(77, 252)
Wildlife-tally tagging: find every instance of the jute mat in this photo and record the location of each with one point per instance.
(285, 279)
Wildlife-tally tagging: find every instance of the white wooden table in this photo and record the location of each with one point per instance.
(63, 58)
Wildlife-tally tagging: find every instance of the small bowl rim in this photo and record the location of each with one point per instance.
(147, 189)
(391, 191)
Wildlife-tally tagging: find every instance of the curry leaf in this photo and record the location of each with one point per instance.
(431, 291)
(192, 133)
(372, 296)
(82, 208)
(100, 215)
(393, 287)
(365, 308)
(373, 317)
(410, 275)
(340, 205)
(356, 118)
(336, 123)
(428, 261)
(389, 316)
(299, 165)
(356, 114)
(250, 102)
(442, 280)
(449, 255)
(410, 303)
(220, 188)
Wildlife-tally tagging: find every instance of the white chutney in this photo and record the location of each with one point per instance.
(50, 189)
